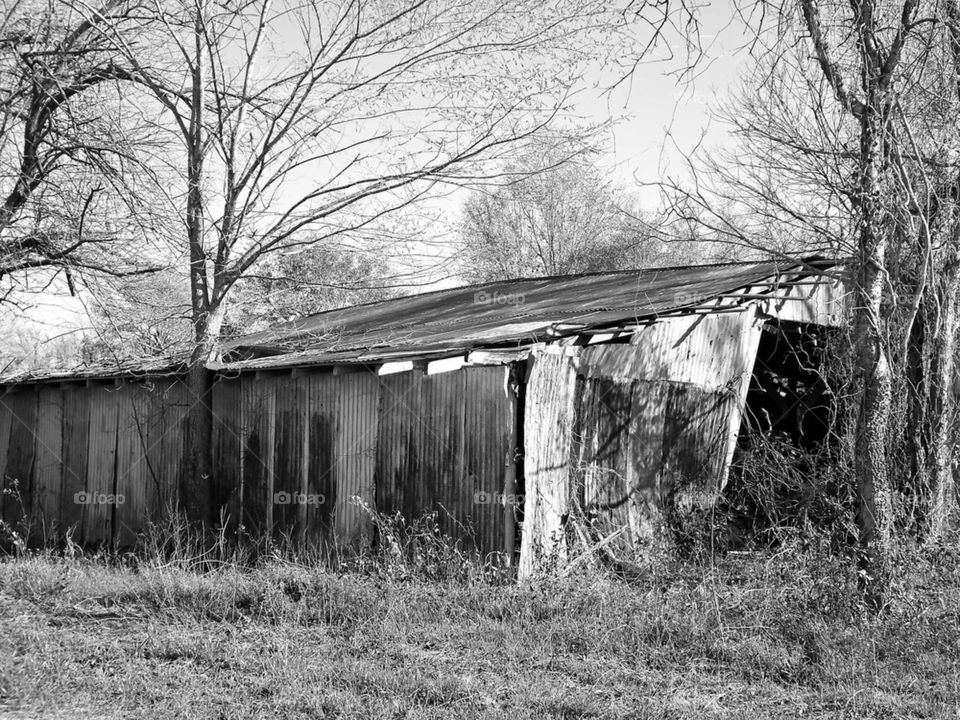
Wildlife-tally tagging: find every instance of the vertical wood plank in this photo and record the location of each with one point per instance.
(17, 499)
(48, 486)
(75, 443)
(101, 464)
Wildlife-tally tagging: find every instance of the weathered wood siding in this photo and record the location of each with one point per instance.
(295, 454)
(548, 444)
(452, 433)
(612, 430)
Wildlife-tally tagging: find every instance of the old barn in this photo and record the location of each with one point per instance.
(502, 406)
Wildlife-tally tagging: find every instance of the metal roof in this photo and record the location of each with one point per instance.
(506, 314)
(499, 315)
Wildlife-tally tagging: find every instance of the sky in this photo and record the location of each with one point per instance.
(666, 117)
(659, 119)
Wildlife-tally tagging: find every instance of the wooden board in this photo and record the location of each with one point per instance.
(48, 479)
(98, 509)
(17, 498)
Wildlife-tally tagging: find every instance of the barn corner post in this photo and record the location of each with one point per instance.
(513, 458)
(548, 433)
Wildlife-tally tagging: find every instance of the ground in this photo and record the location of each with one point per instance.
(761, 636)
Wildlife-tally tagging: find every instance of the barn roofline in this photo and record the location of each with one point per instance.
(770, 283)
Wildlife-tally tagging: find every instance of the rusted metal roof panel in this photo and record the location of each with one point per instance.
(506, 315)
(514, 313)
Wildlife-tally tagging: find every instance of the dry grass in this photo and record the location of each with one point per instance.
(753, 636)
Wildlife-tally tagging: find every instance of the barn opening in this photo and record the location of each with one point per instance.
(789, 437)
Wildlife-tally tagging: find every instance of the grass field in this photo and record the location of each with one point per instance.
(751, 636)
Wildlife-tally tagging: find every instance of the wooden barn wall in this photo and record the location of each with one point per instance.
(298, 454)
(99, 458)
(612, 431)
(444, 445)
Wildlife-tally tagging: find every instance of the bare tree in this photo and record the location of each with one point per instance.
(64, 157)
(293, 123)
(554, 213)
(314, 279)
(851, 148)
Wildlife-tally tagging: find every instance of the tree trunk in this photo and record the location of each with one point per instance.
(930, 368)
(198, 477)
(872, 366)
(938, 486)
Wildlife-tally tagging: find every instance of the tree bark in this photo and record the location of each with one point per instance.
(198, 477)
(197, 471)
(873, 376)
(938, 487)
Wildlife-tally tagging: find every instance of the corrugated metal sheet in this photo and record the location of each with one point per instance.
(101, 463)
(308, 450)
(287, 457)
(443, 445)
(226, 449)
(150, 439)
(687, 376)
(643, 422)
(323, 408)
(21, 453)
(6, 422)
(257, 436)
(49, 449)
(134, 481)
(76, 426)
(355, 456)
(510, 314)
(521, 312)
(174, 402)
